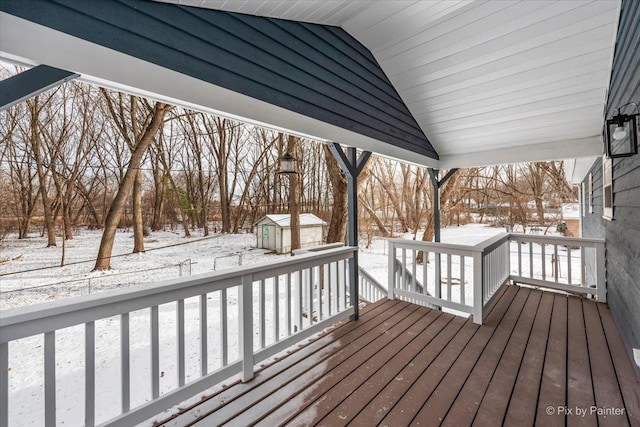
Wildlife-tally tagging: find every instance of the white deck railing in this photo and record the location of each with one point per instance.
(466, 278)
(562, 263)
(369, 288)
(294, 299)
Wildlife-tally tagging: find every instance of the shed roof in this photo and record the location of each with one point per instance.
(284, 220)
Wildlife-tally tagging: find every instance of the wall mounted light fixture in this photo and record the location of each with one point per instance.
(622, 133)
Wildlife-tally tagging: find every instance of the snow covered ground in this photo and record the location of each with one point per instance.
(38, 278)
(201, 254)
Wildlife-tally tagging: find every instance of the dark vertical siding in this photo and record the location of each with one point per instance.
(623, 233)
(316, 70)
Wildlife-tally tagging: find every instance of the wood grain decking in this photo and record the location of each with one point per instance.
(539, 356)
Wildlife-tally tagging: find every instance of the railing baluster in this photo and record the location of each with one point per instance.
(155, 350)
(4, 384)
(204, 355)
(557, 261)
(180, 343)
(425, 260)
(320, 286)
(438, 289)
(288, 303)
(544, 261)
(519, 257)
(336, 295)
(276, 308)
(311, 279)
(403, 271)
(449, 297)
(601, 290)
(342, 271)
(414, 287)
(462, 286)
(245, 327)
(50, 379)
(300, 302)
(326, 289)
(89, 373)
(568, 265)
(224, 336)
(263, 313)
(324, 270)
(531, 259)
(125, 362)
(583, 267)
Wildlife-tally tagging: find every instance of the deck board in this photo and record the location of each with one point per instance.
(579, 384)
(402, 364)
(552, 394)
(465, 407)
(522, 407)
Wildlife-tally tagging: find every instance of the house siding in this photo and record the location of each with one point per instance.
(622, 234)
(316, 70)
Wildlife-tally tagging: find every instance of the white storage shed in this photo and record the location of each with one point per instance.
(274, 232)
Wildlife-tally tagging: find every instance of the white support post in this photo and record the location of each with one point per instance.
(601, 273)
(246, 327)
(391, 271)
(478, 295)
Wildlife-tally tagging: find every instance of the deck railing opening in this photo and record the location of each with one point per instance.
(129, 354)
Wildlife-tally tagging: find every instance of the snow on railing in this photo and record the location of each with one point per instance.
(241, 316)
(466, 278)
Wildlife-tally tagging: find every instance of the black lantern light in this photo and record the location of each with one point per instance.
(622, 133)
(287, 164)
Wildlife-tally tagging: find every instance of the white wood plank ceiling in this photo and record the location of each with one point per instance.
(488, 81)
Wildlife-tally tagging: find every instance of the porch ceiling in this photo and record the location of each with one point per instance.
(487, 81)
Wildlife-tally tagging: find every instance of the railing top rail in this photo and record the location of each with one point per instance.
(555, 239)
(492, 242)
(73, 311)
(454, 248)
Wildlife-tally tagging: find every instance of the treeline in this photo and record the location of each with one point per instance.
(79, 155)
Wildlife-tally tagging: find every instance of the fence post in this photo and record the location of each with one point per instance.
(391, 271)
(478, 295)
(245, 326)
(601, 273)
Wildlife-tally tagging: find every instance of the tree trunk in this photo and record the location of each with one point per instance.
(294, 195)
(138, 227)
(103, 261)
(375, 217)
(338, 222)
(36, 144)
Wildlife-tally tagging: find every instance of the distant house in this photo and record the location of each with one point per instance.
(274, 232)
(571, 217)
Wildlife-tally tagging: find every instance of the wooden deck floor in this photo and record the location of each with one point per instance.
(539, 356)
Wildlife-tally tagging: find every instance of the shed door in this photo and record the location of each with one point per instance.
(269, 237)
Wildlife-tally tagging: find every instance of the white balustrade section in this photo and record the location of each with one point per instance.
(424, 283)
(370, 289)
(295, 299)
(563, 263)
(466, 278)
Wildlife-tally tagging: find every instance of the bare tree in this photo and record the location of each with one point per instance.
(139, 135)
